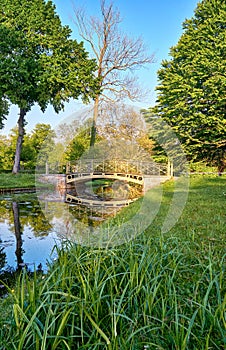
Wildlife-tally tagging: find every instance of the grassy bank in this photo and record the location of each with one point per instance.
(21, 180)
(155, 292)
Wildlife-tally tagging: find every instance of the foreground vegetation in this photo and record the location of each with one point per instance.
(155, 292)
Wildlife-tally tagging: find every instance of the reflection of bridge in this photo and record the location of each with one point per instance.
(145, 173)
(97, 203)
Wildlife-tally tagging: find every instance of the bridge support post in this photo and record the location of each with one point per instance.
(170, 169)
(47, 168)
(68, 167)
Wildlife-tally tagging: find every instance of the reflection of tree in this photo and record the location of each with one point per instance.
(31, 214)
(2, 258)
(35, 218)
(18, 234)
(4, 210)
(21, 211)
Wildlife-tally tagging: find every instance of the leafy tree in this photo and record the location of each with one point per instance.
(42, 141)
(7, 149)
(80, 143)
(38, 143)
(4, 145)
(39, 62)
(28, 153)
(192, 85)
(120, 134)
(117, 56)
(4, 110)
(57, 156)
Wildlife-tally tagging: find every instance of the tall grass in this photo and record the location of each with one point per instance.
(155, 292)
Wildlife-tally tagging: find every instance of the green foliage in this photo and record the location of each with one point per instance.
(42, 141)
(202, 167)
(156, 292)
(5, 154)
(4, 109)
(192, 84)
(39, 62)
(57, 155)
(38, 143)
(78, 145)
(81, 142)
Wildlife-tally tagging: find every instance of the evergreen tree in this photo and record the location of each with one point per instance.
(192, 85)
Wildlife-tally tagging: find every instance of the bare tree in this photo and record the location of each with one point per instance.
(117, 57)
(121, 121)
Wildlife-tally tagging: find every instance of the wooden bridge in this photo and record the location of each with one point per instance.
(145, 173)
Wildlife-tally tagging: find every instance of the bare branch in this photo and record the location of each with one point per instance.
(117, 55)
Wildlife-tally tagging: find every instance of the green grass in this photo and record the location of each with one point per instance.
(21, 180)
(160, 292)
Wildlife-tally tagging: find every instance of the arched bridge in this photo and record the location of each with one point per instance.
(145, 173)
(77, 177)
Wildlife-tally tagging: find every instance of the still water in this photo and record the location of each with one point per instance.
(32, 225)
(26, 236)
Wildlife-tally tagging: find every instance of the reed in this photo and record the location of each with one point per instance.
(155, 292)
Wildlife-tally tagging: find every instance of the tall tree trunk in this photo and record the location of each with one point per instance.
(18, 234)
(94, 123)
(221, 166)
(21, 120)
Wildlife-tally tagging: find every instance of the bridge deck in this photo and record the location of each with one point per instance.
(76, 177)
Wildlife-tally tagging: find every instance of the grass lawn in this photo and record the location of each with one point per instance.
(158, 291)
(21, 180)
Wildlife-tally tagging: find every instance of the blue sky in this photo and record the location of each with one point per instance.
(158, 22)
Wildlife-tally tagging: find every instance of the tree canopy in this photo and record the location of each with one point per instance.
(39, 62)
(37, 145)
(191, 93)
(4, 110)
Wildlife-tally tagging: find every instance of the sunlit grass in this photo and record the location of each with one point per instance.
(155, 292)
(21, 180)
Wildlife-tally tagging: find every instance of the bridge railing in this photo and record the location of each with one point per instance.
(118, 166)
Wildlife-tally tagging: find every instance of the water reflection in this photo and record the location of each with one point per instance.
(26, 236)
(32, 224)
(18, 234)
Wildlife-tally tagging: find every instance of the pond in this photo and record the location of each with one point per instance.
(32, 224)
(26, 236)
